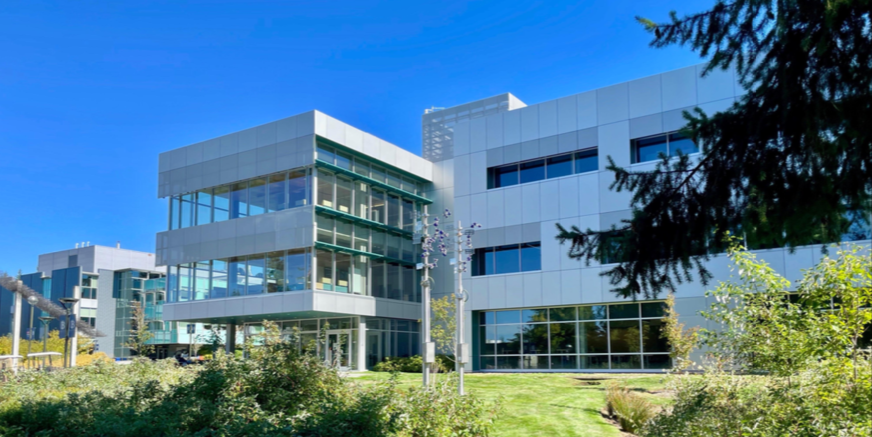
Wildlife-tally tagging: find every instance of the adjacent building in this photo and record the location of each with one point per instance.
(108, 280)
(309, 222)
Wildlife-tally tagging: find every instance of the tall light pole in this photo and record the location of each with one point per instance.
(462, 250)
(45, 321)
(70, 330)
(16, 330)
(32, 300)
(427, 348)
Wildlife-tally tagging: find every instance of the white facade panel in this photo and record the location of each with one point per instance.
(548, 118)
(679, 88)
(494, 130)
(717, 85)
(612, 104)
(477, 135)
(586, 110)
(567, 115)
(645, 96)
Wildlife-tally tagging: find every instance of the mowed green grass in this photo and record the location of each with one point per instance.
(546, 404)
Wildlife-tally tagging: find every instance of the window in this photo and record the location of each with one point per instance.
(393, 211)
(512, 258)
(586, 161)
(551, 167)
(297, 188)
(343, 195)
(559, 166)
(649, 148)
(277, 200)
(324, 270)
(325, 154)
(532, 171)
(221, 210)
(343, 272)
(239, 200)
(257, 196)
(236, 275)
(275, 272)
(204, 207)
(325, 229)
(271, 193)
(343, 160)
(343, 233)
(378, 207)
(361, 200)
(505, 176)
(219, 279)
(408, 215)
(572, 338)
(296, 270)
(256, 270)
(187, 206)
(325, 189)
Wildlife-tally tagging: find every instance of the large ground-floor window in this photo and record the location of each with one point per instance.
(591, 337)
(336, 339)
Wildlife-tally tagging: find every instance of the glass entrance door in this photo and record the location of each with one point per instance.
(338, 349)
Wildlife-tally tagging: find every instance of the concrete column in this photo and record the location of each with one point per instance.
(361, 344)
(16, 329)
(230, 338)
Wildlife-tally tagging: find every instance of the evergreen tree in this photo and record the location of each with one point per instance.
(789, 164)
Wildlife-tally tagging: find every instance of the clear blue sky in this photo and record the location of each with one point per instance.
(91, 92)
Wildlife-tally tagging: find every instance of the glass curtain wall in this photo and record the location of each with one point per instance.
(260, 195)
(272, 272)
(593, 337)
(390, 338)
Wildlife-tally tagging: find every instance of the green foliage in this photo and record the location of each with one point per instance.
(53, 344)
(413, 364)
(278, 391)
(812, 378)
(683, 341)
(787, 165)
(140, 335)
(444, 326)
(630, 409)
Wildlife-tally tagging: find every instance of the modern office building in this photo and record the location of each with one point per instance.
(308, 222)
(109, 280)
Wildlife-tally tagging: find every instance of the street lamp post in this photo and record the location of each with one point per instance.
(463, 253)
(45, 321)
(70, 330)
(32, 300)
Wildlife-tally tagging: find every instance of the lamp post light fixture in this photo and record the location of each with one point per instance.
(32, 300)
(45, 321)
(462, 240)
(72, 303)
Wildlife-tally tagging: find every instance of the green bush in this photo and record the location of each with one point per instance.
(413, 364)
(278, 391)
(629, 408)
(781, 365)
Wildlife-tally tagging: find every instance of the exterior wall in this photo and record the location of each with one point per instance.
(106, 307)
(607, 118)
(94, 258)
(257, 152)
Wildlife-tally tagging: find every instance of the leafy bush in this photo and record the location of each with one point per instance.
(413, 364)
(278, 391)
(629, 408)
(781, 364)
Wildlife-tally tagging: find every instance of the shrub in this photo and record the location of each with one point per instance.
(278, 391)
(629, 408)
(781, 365)
(413, 364)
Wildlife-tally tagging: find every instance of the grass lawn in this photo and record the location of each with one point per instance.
(546, 404)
